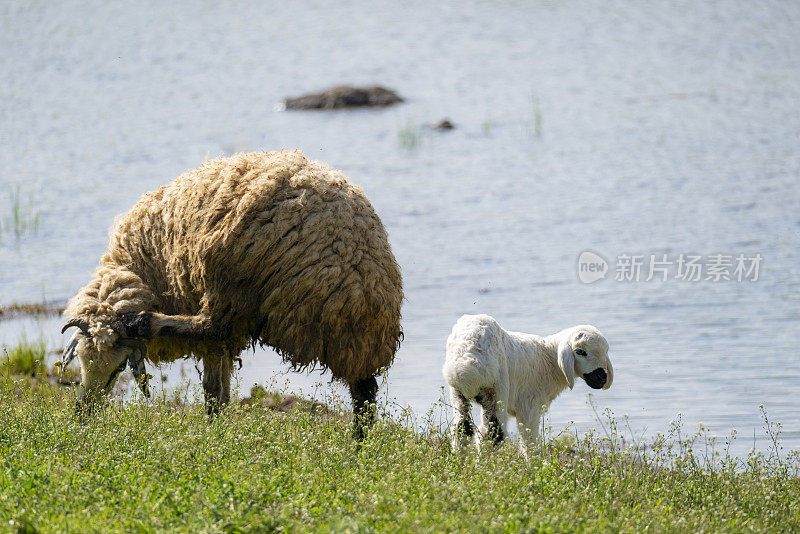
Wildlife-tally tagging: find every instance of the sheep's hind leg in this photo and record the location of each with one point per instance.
(363, 393)
(217, 369)
(491, 416)
(463, 427)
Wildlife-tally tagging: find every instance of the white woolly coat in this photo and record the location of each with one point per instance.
(523, 371)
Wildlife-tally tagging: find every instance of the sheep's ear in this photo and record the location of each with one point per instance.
(136, 363)
(566, 360)
(610, 373)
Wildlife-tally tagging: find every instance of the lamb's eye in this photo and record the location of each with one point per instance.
(580, 352)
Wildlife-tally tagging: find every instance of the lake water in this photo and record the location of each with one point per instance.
(625, 129)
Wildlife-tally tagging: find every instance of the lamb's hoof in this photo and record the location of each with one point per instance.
(463, 433)
(465, 428)
(495, 433)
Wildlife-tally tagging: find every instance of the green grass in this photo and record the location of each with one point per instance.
(487, 125)
(409, 135)
(166, 467)
(27, 358)
(23, 218)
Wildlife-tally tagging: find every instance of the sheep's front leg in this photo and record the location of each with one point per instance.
(463, 427)
(363, 393)
(493, 417)
(217, 369)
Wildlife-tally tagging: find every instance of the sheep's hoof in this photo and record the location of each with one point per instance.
(362, 422)
(136, 325)
(358, 433)
(213, 406)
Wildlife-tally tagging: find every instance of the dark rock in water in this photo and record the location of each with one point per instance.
(345, 96)
(443, 124)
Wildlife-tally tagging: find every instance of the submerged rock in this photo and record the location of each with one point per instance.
(345, 96)
(444, 124)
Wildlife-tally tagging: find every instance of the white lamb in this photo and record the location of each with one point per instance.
(511, 373)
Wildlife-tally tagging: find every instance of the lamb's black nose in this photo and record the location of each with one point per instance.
(596, 379)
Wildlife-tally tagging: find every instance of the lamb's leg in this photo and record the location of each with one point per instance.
(528, 430)
(463, 427)
(217, 369)
(492, 417)
(363, 393)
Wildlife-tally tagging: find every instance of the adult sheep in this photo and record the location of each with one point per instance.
(264, 248)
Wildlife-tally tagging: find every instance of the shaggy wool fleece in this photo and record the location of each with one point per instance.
(271, 248)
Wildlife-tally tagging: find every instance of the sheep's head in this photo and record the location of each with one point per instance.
(584, 351)
(103, 354)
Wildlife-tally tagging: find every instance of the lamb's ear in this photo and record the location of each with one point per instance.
(610, 373)
(566, 360)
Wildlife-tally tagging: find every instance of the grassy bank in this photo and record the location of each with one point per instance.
(165, 466)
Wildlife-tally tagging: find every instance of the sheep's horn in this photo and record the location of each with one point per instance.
(69, 353)
(80, 323)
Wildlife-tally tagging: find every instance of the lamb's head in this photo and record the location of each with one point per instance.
(583, 350)
(103, 353)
